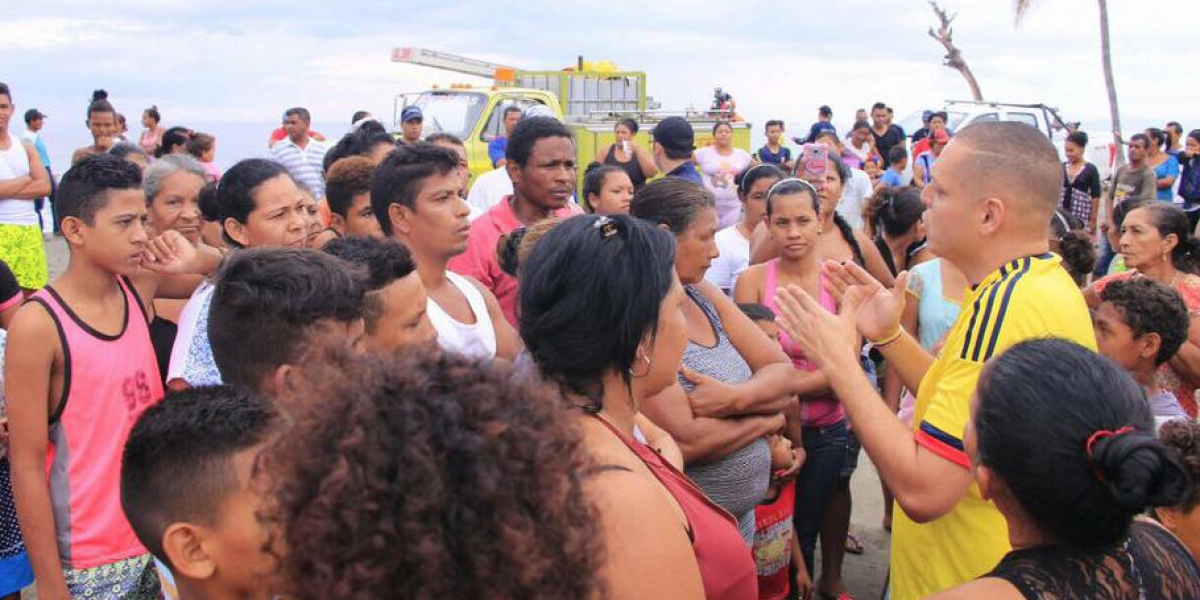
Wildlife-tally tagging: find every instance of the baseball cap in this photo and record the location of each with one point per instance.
(925, 116)
(825, 110)
(410, 113)
(34, 114)
(675, 133)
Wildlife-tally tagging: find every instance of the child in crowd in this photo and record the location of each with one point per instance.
(348, 196)
(394, 306)
(1140, 325)
(206, 532)
(775, 543)
(203, 147)
(272, 306)
(775, 152)
(84, 371)
(897, 162)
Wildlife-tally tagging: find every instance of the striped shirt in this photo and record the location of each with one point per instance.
(305, 164)
(1027, 298)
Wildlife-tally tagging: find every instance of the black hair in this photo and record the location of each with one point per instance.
(299, 112)
(746, 178)
(941, 114)
(1195, 135)
(893, 211)
(757, 312)
(199, 144)
(268, 306)
(527, 133)
(593, 180)
(508, 249)
(100, 104)
(590, 294)
(896, 154)
(1040, 406)
(1158, 136)
(1140, 137)
(385, 261)
(358, 116)
(4, 91)
(773, 123)
(398, 179)
(1182, 437)
(1174, 125)
(1122, 210)
(84, 188)
(175, 136)
(359, 142)
(190, 436)
(235, 192)
(1150, 307)
(1074, 245)
(124, 150)
(878, 106)
(510, 109)
(671, 201)
(720, 124)
(1079, 138)
(630, 124)
(791, 186)
(209, 209)
(861, 125)
(346, 179)
(1170, 219)
(153, 113)
(838, 165)
(442, 136)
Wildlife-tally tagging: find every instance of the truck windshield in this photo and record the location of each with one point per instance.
(452, 112)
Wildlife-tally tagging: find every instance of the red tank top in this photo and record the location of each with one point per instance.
(726, 566)
(109, 382)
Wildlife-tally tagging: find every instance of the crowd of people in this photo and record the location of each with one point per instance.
(349, 371)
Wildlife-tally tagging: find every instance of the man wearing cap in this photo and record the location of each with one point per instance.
(824, 116)
(34, 119)
(674, 142)
(923, 132)
(300, 154)
(411, 122)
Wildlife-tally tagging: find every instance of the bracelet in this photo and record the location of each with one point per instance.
(889, 339)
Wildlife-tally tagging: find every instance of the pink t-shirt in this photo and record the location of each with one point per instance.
(480, 260)
(814, 412)
(718, 171)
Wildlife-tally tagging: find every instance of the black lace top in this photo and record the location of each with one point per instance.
(1151, 565)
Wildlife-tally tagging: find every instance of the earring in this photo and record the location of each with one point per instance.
(635, 374)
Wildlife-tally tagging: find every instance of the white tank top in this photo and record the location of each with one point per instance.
(14, 163)
(477, 340)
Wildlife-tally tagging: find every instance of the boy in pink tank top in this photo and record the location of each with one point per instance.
(207, 533)
(81, 369)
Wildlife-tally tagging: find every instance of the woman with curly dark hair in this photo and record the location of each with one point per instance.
(602, 317)
(1182, 437)
(427, 476)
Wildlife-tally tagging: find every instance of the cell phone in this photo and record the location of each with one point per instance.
(815, 158)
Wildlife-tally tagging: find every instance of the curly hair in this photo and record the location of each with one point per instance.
(425, 475)
(1150, 307)
(1074, 245)
(1183, 438)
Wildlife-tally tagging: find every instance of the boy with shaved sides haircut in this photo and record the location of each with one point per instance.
(79, 371)
(272, 306)
(395, 305)
(415, 195)
(992, 193)
(206, 532)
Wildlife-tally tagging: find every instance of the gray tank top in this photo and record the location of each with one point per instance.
(737, 482)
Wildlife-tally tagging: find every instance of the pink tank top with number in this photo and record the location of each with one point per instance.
(108, 382)
(814, 412)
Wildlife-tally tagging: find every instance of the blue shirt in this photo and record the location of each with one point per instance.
(817, 129)
(1169, 168)
(890, 178)
(687, 171)
(765, 155)
(36, 140)
(496, 149)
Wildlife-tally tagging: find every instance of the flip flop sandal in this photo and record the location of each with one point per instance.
(854, 545)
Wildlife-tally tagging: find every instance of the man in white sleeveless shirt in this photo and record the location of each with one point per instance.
(415, 196)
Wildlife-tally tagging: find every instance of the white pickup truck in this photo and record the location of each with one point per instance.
(961, 113)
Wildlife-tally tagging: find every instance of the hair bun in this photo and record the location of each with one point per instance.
(99, 95)
(1139, 471)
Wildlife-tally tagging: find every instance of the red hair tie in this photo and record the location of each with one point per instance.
(1099, 435)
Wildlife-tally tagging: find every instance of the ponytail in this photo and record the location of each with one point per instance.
(894, 211)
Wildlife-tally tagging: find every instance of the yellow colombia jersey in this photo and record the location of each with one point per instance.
(1028, 298)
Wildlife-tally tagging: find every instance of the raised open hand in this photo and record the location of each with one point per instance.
(876, 309)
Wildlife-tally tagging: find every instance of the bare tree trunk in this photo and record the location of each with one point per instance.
(1106, 55)
(954, 58)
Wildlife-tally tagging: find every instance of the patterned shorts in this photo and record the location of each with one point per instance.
(22, 249)
(130, 579)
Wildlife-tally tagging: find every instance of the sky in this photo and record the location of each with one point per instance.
(246, 61)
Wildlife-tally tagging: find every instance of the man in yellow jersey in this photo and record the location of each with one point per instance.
(992, 194)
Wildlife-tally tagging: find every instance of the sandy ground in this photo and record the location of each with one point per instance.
(864, 574)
